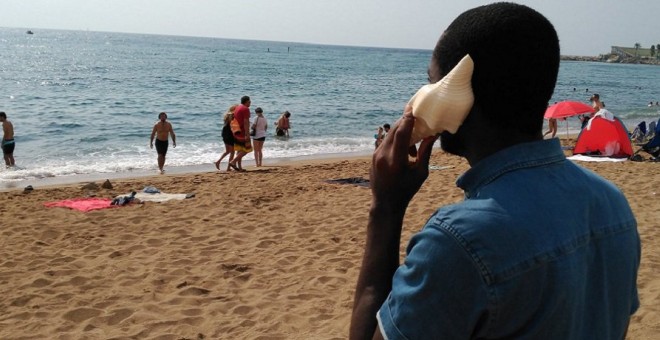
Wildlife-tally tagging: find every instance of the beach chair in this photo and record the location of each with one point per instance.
(651, 130)
(653, 145)
(638, 135)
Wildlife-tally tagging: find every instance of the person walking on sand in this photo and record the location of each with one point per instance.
(242, 141)
(259, 126)
(227, 137)
(8, 143)
(162, 130)
(283, 125)
(499, 264)
(552, 127)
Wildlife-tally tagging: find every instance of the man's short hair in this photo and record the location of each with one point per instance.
(245, 99)
(3, 114)
(516, 59)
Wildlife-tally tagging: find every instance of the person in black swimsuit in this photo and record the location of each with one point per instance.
(7, 140)
(227, 137)
(162, 130)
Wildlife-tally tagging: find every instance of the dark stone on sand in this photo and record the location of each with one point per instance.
(106, 184)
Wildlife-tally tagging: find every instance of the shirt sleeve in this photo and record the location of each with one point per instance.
(438, 292)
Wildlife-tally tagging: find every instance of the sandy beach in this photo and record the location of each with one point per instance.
(272, 253)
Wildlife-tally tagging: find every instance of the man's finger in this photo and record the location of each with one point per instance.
(425, 149)
(401, 138)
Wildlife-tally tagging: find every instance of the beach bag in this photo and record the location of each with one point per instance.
(124, 200)
(235, 126)
(253, 129)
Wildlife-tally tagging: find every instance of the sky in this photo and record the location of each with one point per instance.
(585, 27)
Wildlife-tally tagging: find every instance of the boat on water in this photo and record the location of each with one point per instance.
(29, 32)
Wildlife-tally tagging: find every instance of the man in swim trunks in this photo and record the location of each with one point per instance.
(161, 130)
(7, 140)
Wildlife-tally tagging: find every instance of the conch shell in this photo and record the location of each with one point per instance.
(443, 106)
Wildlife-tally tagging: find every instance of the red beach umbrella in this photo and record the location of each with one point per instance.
(567, 108)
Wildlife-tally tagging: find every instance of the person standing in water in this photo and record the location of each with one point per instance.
(162, 130)
(260, 126)
(7, 140)
(283, 125)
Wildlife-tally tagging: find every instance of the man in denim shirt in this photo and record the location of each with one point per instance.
(540, 248)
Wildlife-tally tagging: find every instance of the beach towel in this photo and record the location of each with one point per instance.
(603, 113)
(159, 197)
(585, 158)
(82, 204)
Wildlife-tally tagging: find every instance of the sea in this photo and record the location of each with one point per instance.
(83, 103)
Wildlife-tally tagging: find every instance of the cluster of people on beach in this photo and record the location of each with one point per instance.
(238, 142)
(239, 136)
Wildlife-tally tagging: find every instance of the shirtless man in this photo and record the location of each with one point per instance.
(7, 140)
(596, 104)
(161, 130)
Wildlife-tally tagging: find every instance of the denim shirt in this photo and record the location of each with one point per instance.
(539, 249)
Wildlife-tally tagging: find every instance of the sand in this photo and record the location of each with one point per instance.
(272, 253)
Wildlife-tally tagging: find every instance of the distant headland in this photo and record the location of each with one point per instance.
(624, 55)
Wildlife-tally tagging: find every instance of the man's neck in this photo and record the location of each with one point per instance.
(489, 145)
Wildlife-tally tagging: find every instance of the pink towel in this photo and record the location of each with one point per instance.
(83, 204)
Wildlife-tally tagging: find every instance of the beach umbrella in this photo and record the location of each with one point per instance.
(567, 108)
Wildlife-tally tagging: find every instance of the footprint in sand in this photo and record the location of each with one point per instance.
(81, 314)
(194, 291)
(118, 316)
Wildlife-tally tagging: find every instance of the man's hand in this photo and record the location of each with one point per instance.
(395, 179)
(394, 182)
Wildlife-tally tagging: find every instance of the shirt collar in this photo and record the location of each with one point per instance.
(519, 156)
